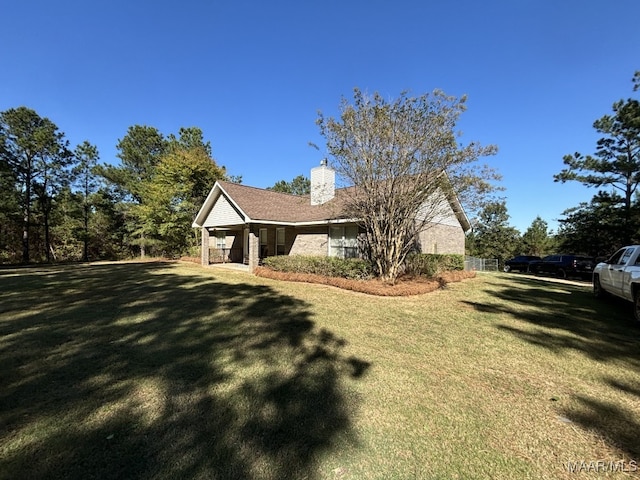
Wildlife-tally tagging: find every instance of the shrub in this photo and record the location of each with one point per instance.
(352, 268)
(432, 264)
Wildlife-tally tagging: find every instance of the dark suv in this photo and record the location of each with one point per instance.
(520, 263)
(563, 266)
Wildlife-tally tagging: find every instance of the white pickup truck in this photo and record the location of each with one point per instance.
(620, 276)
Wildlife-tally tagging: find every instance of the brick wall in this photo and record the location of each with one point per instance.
(310, 241)
(442, 239)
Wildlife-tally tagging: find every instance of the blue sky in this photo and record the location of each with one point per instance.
(253, 75)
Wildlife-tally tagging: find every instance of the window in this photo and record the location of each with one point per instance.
(221, 240)
(264, 248)
(280, 241)
(627, 255)
(343, 241)
(615, 259)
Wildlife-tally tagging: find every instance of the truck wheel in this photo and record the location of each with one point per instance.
(598, 292)
(562, 273)
(507, 268)
(636, 305)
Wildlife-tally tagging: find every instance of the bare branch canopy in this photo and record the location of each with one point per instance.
(403, 160)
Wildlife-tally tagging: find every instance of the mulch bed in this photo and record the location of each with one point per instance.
(405, 286)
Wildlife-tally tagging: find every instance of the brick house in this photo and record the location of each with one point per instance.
(245, 224)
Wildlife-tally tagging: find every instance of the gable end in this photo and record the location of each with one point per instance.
(223, 213)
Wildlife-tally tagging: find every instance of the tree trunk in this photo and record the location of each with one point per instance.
(25, 238)
(85, 246)
(47, 240)
(26, 221)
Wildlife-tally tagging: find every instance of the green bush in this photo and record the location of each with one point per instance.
(432, 264)
(352, 268)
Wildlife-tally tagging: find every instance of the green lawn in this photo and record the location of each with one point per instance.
(171, 371)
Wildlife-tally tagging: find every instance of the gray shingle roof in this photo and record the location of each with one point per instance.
(267, 205)
(262, 205)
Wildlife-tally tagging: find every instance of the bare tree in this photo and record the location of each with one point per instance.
(404, 162)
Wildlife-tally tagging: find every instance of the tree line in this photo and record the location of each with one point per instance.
(60, 203)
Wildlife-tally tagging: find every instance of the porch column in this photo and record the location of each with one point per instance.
(204, 253)
(245, 245)
(254, 251)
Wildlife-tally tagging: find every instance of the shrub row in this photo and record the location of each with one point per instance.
(432, 264)
(352, 268)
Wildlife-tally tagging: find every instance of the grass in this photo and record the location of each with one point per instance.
(168, 370)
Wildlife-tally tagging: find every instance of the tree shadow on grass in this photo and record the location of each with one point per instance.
(132, 371)
(618, 425)
(560, 316)
(563, 317)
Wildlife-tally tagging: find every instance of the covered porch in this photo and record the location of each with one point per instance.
(226, 245)
(245, 244)
(250, 243)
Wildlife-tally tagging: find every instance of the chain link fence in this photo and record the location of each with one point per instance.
(481, 264)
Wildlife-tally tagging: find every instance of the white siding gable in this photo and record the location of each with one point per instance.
(445, 215)
(223, 213)
(439, 211)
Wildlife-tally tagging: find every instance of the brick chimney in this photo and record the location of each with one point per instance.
(323, 183)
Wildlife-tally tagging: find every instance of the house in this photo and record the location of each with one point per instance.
(244, 224)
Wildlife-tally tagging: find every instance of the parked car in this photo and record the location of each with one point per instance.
(620, 276)
(520, 263)
(565, 265)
